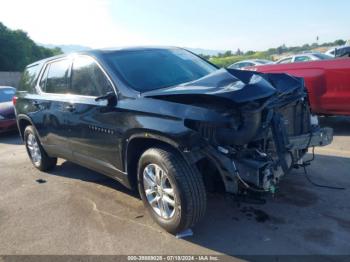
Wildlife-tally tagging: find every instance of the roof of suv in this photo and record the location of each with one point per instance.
(106, 50)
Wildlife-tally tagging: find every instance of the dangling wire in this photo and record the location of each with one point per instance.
(307, 163)
(318, 185)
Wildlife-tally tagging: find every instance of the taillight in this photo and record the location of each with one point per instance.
(14, 100)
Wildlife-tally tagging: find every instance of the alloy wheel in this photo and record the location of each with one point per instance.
(159, 191)
(34, 149)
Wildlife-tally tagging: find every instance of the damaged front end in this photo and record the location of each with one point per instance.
(268, 125)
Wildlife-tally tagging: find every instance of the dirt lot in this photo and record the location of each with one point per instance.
(72, 210)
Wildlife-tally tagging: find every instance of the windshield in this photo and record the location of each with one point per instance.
(6, 94)
(146, 70)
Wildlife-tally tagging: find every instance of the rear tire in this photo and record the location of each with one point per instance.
(36, 152)
(178, 200)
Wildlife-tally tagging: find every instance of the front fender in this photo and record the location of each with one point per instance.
(146, 139)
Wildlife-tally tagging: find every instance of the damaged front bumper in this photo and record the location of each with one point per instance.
(259, 170)
(261, 130)
(321, 137)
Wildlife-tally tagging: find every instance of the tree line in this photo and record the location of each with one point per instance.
(17, 50)
(228, 57)
(278, 50)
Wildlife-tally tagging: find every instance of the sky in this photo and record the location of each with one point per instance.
(218, 25)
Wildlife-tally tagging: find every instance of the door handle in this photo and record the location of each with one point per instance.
(70, 108)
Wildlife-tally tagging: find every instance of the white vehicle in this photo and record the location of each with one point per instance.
(303, 58)
(248, 63)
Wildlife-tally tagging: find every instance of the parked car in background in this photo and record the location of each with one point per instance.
(247, 63)
(303, 58)
(327, 82)
(7, 111)
(331, 52)
(172, 130)
(341, 51)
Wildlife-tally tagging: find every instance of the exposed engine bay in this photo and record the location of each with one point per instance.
(265, 126)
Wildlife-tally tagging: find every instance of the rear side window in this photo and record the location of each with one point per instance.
(88, 79)
(29, 78)
(55, 77)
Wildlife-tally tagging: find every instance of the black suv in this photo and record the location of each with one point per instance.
(168, 123)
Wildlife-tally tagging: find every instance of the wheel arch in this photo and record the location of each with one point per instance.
(139, 143)
(22, 122)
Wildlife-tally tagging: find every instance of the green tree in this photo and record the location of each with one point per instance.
(339, 42)
(228, 53)
(239, 52)
(250, 52)
(17, 50)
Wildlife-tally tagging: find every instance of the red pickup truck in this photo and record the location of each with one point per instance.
(327, 81)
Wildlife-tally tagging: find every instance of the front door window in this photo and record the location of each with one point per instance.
(88, 79)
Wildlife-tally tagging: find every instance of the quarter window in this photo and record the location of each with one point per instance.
(57, 77)
(88, 79)
(29, 78)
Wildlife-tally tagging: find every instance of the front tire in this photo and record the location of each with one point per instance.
(172, 191)
(36, 152)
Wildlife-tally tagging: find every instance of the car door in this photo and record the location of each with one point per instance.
(52, 107)
(94, 138)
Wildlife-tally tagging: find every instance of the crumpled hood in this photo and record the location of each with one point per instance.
(236, 85)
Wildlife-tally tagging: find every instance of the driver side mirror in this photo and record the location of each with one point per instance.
(110, 97)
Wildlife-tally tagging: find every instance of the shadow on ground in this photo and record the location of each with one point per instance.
(298, 218)
(73, 171)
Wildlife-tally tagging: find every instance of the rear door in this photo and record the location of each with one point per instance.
(52, 107)
(93, 138)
